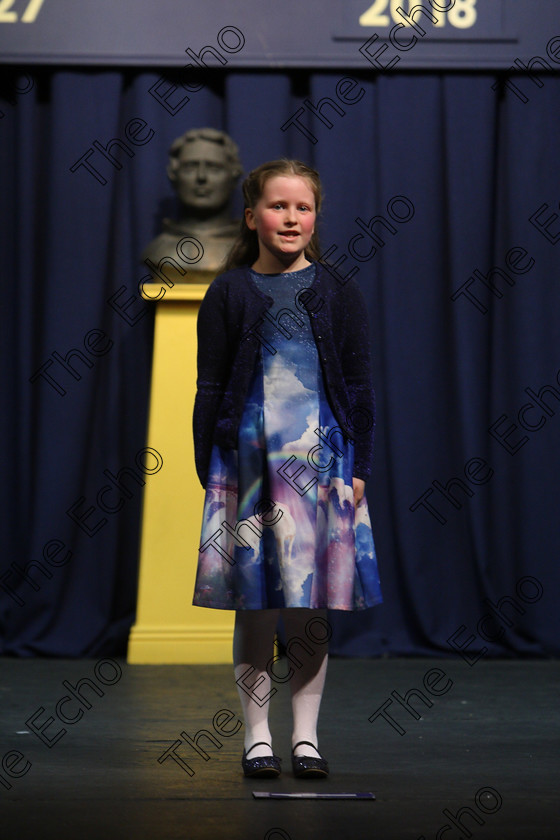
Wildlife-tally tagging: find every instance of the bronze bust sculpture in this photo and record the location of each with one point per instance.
(204, 168)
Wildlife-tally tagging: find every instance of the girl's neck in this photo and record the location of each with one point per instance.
(268, 264)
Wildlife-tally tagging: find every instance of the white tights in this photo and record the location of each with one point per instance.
(253, 649)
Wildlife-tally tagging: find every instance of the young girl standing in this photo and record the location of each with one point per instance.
(283, 431)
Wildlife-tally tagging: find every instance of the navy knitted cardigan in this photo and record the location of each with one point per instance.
(229, 340)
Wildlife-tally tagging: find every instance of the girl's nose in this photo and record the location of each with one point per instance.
(290, 215)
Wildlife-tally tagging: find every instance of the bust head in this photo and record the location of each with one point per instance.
(203, 168)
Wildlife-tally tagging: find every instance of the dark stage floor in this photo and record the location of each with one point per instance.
(484, 756)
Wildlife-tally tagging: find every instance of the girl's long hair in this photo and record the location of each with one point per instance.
(245, 249)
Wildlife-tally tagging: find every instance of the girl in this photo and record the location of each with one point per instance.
(283, 431)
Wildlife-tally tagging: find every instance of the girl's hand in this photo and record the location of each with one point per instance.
(359, 486)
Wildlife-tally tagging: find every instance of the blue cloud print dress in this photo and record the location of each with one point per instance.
(275, 531)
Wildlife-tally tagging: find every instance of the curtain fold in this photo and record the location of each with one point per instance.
(454, 171)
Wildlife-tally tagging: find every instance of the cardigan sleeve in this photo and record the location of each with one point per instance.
(213, 361)
(357, 366)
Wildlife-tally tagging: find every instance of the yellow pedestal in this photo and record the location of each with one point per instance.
(168, 628)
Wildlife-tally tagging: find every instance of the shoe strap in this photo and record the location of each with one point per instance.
(256, 745)
(309, 743)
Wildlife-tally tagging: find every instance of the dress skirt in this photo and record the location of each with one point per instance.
(279, 526)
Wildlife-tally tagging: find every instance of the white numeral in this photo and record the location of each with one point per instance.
(30, 14)
(373, 16)
(5, 15)
(462, 14)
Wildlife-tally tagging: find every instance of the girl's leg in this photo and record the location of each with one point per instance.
(253, 647)
(308, 680)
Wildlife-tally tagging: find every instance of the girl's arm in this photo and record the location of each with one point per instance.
(213, 358)
(357, 366)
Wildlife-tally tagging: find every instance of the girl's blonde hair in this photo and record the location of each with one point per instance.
(245, 249)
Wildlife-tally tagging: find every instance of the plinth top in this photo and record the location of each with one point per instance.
(160, 292)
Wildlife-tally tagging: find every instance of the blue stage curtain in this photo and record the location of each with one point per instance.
(456, 164)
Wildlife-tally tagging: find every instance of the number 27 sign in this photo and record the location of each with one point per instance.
(27, 14)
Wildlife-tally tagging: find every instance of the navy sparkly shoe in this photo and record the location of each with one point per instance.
(309, 767)
(265, 767)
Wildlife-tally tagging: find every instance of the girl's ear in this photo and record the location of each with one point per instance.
(250, 219)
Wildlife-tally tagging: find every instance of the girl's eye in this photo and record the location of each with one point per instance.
(280, 206)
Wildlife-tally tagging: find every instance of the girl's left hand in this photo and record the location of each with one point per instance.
(358, 485)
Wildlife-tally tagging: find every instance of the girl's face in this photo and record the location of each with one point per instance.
(284, 219)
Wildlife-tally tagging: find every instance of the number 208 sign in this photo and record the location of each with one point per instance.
(405, 21)
(461, 14)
